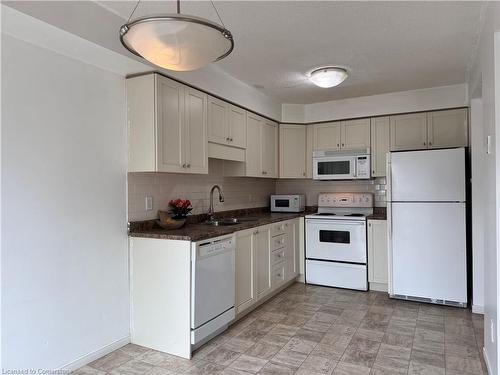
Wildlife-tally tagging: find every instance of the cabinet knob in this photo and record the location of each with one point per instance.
(188, 166)
(256, 232)
(303, 173)
(338, 144)
(227, 138)
(342, 145)
(430, 143)
(373, 172)
(184, 165)
(425, 143)
(231, 139)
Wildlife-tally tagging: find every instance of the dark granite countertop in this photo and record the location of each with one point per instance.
(195, 230)
(379, 213)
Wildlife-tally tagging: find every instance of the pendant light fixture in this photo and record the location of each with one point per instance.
(177, 41)
(327, 76)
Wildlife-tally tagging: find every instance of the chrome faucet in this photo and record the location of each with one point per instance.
(221, 199)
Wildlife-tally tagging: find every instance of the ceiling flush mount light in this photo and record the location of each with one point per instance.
(177, 41)
(328, 76)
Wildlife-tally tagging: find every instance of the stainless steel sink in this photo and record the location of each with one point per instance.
(223, 222)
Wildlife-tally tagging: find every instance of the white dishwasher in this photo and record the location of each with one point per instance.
(212, 287)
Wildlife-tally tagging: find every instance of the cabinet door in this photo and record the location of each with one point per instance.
(326, 136)
(169, 125)
(270, 149)
(355, 134)
(292, 249)
(292, 155)
(196, 131)
(244, 265)
(309, 151)
(447, 128)
(262, 251)
(254, 146)
(380, 145)
(377, 251)
(409, 132)
(237, 126)
(217, 121)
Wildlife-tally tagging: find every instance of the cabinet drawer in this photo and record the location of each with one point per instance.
(278, 242)
(279, 228)
(277, 256)
(278, 274)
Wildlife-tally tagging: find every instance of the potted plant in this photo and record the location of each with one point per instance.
(175, 218)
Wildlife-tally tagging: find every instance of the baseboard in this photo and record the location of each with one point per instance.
(92, 356)
(301, 278)
(379, 287)
(487, 361)
(477, 309)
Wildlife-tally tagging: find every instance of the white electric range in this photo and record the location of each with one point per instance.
(336, 243)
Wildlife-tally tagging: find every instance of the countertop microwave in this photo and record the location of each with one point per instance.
(341, 164)
(288, 203)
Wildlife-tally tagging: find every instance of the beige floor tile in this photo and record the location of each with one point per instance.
(222, 356)
(423, 369)
(396, 339)
(203, 367)
(427, 358)
(317, 365)
(276, 369)
(369, 334)
(309, 335)
(134, 350)
(464, 365)
(344, 368)
(248, 363)
(87, 370)
(264, 350)
(111, 361)
(133, 367)
(289, 358)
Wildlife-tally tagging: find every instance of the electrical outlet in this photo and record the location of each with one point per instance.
(493, 331)
(149, 203)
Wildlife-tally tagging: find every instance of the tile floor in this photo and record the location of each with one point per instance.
(316, 330)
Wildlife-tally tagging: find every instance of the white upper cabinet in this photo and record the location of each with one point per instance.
(196, 156)
(355, 134)
(218, 131)
(380, 145)
(292, 151)
(167, 126)
(269, 139)
(326, 136)
(254, 145)
(237, 126)
(447, 128)
(261, 155)
(226, 123)
(409, 132)
(351, 134)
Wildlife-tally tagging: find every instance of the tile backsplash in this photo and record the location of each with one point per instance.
(311, 188)
(239, 192)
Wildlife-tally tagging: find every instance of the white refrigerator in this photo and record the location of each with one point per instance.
(427, 226)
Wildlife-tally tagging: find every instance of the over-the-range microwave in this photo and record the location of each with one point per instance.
(341, 164)
(288, 203)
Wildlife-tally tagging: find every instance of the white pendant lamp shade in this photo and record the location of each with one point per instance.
(177, 42)
(327, 77)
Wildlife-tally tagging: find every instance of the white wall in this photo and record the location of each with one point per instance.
(487, 69)
(383, 104)
(478, 155)
(64, 243)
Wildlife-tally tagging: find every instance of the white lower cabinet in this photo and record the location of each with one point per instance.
(377, 254)
(267, 257)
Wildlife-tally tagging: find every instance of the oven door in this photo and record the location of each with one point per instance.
(334, 168)
(336, 240)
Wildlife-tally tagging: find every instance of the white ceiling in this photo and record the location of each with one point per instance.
(387, 46)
